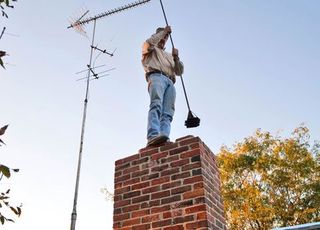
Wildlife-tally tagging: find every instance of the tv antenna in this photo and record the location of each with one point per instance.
(74, 20)
(79, 26)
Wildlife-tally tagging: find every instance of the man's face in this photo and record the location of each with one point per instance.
(162, 42)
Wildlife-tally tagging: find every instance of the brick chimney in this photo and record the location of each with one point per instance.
(170, 187)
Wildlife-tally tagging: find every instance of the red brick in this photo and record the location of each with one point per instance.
(181, 189)
(140, 161)
(117, 211)
(131, 222)
(197, 208)
(180, 176)
(161, 223)
(140, 173)
(185, 203)
(131, 181)
(131, 208)
(131, 194)
(171, 199)
(190, 141)
(121, 203)
(150, 176)
(148, 151)
(197, 225)
(116, 225)
(167, 215)
(140, 185)
(191, 153)
(141, 227)
(193, 180)
(191, 166)
(170, 171)
(201, 216)
(198, 185)
(140, 213)
(127, 159)
(168, 147)
(153, 203)
(159, 168)
(161, 180)
(121, 217)
(117, 174)
(183, 138)
(176, 227)
(117, 198)
(179, 150)
(171, 184)
(122, 178)
(140, 199)
(131, 169)
(183, 219)
(150, 218)
(160, 209)
(158, 156)
(179, 163)
(121, 190)
(195, 145)
(160, 194)
(193, 194)
(118, 185)
(151, 189)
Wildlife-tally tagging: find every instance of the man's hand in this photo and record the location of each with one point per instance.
(167, 30)
(175, 53)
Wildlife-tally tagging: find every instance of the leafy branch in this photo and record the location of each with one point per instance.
(3, 4)
(7, 4)
(4, 196)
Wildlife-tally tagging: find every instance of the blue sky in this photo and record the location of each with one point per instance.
(248, 65)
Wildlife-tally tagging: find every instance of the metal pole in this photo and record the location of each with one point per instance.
(184, 88)
(74, 210)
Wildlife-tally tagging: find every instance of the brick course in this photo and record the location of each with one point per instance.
(170, 187)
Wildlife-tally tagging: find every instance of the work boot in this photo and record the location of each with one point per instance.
(157, 140)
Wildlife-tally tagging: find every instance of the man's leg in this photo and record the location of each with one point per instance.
(168, 109)
(156, 90)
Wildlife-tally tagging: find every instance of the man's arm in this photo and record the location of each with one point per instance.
(178, 65)
(156, 38)
(150, 43)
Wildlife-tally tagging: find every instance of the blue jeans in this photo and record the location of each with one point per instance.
(162, 99)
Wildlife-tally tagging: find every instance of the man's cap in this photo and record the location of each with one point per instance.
(159, 29)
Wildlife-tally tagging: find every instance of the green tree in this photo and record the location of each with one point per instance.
(3, 4)
(269, 181)
(5, 196)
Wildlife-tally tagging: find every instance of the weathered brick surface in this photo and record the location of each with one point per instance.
(171, 187)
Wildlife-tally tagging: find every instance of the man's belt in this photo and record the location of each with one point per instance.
(162, 73)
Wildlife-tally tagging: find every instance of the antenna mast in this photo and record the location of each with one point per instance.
(78, 23)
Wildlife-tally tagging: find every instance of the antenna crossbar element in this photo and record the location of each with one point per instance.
(4, 28)
(109, 12)
(102, 51)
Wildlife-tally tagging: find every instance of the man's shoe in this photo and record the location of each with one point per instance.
(157, 140)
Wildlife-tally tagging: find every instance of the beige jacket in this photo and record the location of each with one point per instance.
(154, 58)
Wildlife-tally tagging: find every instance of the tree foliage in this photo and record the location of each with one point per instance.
(3, 4)
(5, 171)
(268, 181)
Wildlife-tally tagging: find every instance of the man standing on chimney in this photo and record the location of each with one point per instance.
(160, 69)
